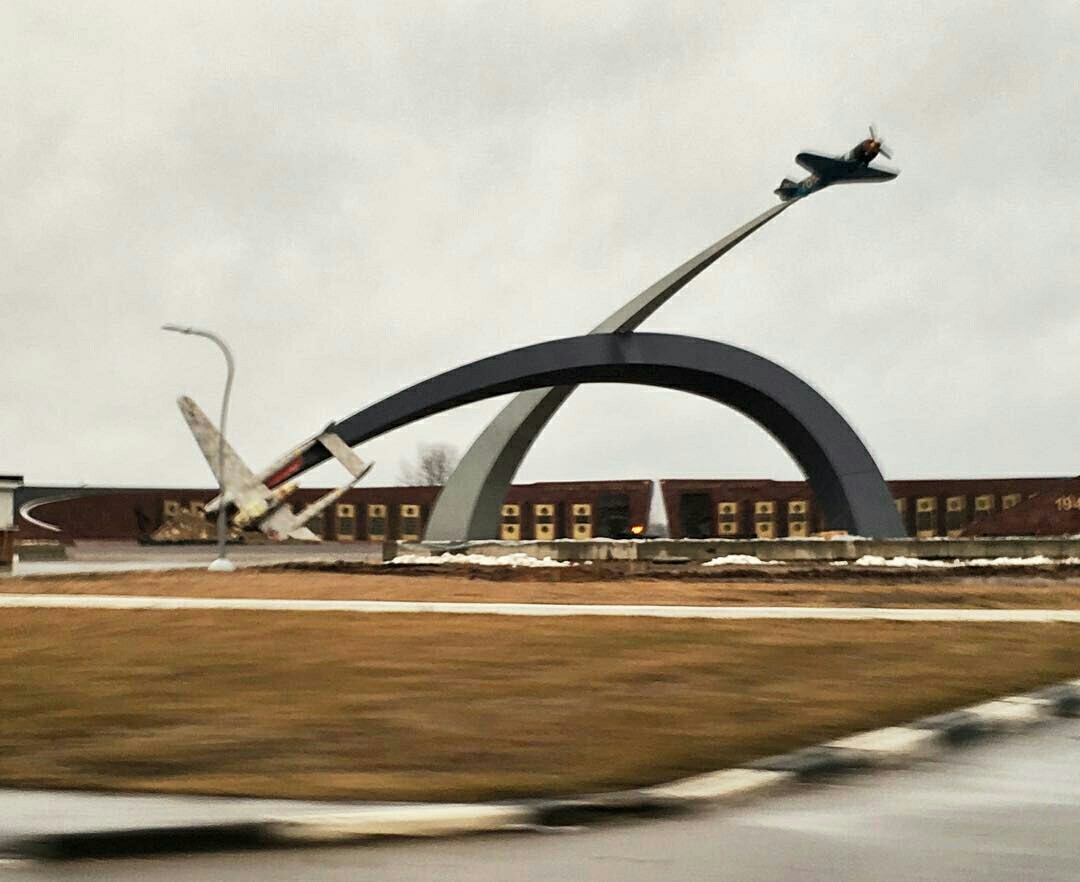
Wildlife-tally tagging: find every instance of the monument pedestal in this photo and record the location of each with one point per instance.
(7, 551)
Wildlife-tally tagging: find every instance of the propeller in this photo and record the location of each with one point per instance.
(882, 149)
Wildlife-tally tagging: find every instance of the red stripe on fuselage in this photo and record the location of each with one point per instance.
(286, 471)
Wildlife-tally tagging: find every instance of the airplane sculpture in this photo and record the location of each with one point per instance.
(249, 494)
(851, 168)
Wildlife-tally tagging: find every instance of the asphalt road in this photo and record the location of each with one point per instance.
(1006, 810)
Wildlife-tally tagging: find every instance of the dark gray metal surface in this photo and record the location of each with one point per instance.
(468, 506)
(845, 480)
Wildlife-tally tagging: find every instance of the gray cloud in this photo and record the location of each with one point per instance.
(358, 195)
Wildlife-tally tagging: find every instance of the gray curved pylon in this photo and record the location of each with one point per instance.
(469, 505)
(846, 482)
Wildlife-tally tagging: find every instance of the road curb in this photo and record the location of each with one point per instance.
(887, 747)
(139, 841)
(415, 821)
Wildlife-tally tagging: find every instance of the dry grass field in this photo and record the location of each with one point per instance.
(451, 707)
(579, 585)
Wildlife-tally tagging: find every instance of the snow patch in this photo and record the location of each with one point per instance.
(738, 560)
(875, 560)
(1036, 561)
(505, 560)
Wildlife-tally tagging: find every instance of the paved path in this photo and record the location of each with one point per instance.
(1007, 810)
(26, 812)
(111, 601)
(74, 567)
(119, 557)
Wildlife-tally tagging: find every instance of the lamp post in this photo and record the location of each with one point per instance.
(221, 564)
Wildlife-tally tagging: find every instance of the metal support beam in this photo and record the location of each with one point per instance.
(468, 506)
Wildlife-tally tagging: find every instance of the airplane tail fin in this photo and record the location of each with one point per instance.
(786, 190)
(229, 469)
(344, 454)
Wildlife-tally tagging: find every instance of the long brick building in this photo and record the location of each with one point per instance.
(725, 508)
(928, 508)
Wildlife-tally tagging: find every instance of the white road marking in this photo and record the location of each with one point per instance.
(112, 601)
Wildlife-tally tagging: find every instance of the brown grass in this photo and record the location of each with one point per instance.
(451, 707)
(375, 583)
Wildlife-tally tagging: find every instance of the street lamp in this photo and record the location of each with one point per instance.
(221, 564)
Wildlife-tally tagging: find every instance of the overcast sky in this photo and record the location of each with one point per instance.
(358, 195)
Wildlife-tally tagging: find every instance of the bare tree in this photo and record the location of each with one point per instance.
(433, 466)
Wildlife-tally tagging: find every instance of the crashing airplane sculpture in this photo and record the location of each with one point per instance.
(249, 495)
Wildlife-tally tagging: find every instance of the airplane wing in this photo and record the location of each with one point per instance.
(282, 523)
(868, 174)
(236, 474)
(825, 166)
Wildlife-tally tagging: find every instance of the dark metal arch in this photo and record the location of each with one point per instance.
(469, 504)
(845, 480)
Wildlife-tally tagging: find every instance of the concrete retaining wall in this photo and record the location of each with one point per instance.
(793, 550)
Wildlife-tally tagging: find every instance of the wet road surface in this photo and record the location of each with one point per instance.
(1008, 809)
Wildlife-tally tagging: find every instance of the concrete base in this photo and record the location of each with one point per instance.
(8, 557)
(34, 550)
(783, 550)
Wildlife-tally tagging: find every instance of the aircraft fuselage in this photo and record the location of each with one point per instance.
(864, 152)
(860, 156)
(852, 167)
